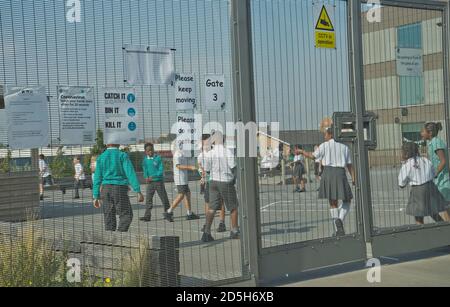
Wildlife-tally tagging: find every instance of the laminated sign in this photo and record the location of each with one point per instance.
(325, 34)
(27, 112)
(121, 116)
(77, 115)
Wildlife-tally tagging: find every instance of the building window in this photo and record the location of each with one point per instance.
(411, 132)
(412, 89)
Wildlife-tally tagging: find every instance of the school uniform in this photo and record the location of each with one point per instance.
(335, 158)
(80, 179)
(181, 177)
(154, 168)
(205, 189)
(220, 162)
(44, 171)
(114, 173)
(299, 166)
(425, 198)
(442, 181)
(318, 168)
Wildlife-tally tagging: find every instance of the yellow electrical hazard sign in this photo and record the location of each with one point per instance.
(325, 40)
(325, 34)
(324, 22)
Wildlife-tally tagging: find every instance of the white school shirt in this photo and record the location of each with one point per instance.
(220, 162)
(79, 172)
(333, 154)
(299, 158)
(43, 169)
(416, 172)
(180, 177)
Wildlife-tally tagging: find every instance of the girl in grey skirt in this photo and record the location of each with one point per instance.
(425, 198)
(334, 184)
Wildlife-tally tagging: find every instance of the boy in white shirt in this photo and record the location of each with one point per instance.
(45, 175)
(425, 198)
(181, 170)
(80, 177)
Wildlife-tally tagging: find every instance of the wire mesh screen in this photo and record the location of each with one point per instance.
(298, 84)
(404, 86)
(39, 46)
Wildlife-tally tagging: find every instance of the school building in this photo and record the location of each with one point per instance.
(403, 102)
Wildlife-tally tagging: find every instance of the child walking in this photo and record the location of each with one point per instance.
(298, 166)
(438, 154)
(80, 177)
(206, 180)
(425, 199)
(334, 185)
(181, 170)
(154, 177)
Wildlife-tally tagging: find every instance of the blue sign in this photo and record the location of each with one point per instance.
(132, 126)
(131, 98)
(131, 112)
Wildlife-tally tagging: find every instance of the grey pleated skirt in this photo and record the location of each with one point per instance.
(426, 200)
(299, 170)
(334, 185)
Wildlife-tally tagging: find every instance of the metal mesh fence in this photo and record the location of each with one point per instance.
(40, 47)
(404, 81)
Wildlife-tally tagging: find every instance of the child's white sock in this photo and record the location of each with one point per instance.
(344, 210)
(189, 212)
(170, 211)
(334, 215)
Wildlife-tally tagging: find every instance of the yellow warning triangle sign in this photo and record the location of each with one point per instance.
(324, 23)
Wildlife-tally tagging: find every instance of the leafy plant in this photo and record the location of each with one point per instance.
(61, 166)
(5, 163)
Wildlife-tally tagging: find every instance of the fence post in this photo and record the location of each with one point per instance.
(358, 107)
(244, 110)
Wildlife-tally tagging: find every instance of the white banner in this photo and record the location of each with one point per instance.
(27, 112)
(188, 130)
(214, 86)
(149, 65)
(121, 116)
(185, 92)
(77, 115)
(409, 62)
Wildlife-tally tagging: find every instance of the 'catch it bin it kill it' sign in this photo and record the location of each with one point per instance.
(325, 34)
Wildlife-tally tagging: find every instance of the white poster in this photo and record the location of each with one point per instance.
(185, 94)
(77, 115)
(149, 65)
(409, 62)
(27, 112)
(215, 99)
(120, 111)
(188, 131)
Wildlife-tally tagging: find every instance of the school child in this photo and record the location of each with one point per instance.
(334, 184)
(220, 163)
(154, 177)
(298, 166)
(80, 177)
(113, 175)
(45, 175)
(438, 154)
(425, 198)
(205, 182)
(93, 167)
(317, 166)
(181, 170)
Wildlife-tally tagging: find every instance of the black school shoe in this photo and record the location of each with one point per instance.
(340, 228)
(192, 217)
(222, 228)
(146, 219)
(206, 238)
(235, 235)
(41, 197)
(168, 217)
